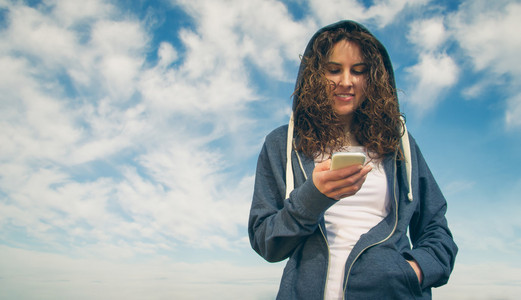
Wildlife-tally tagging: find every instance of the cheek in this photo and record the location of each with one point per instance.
(361, 82)
(361, 86)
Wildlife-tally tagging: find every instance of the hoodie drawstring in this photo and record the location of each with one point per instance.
(289, 147)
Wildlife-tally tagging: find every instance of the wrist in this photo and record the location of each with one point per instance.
(416, 267)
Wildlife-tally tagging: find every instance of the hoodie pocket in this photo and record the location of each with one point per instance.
(410, 275)
(383, 272)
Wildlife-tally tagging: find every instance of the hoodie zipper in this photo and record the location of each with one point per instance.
(385, 239)
(363, 250)
(328, 261)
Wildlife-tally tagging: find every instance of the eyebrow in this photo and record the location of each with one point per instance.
(354, 65)
(333, 63)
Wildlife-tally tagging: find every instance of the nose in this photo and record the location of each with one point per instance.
(346, 80)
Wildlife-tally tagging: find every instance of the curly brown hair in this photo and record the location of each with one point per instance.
(376, 123)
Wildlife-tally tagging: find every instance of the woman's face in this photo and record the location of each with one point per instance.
(347, 70)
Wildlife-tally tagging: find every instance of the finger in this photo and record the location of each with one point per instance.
(350, 177)
(350, 185)
(349, 190)
(345, 172)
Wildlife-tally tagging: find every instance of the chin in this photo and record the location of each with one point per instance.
(344, 113)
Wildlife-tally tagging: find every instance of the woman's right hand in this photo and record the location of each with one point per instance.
(339, 183)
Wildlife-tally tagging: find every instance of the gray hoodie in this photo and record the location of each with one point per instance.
(287, 221)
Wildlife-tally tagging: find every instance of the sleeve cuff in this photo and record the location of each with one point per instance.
(313, 203)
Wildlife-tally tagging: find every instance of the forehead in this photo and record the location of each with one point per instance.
(345, 50)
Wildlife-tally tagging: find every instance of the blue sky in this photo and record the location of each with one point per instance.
(129, 134)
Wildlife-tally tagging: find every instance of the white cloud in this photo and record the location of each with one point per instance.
(270, 44)
(482, 281)
(186, 200)
(513, 113)
(71, 13)
(383, 12)
(436, 71)
(115, 46)
(477, 89)
(240, 30)
(428, 34)
(119, 49)
(33, 122)
(434, 74)
(488, 34)
(39, 37)
(37, 275)
(167, 54)
(116, 158)
(458, 186)
(46, 123)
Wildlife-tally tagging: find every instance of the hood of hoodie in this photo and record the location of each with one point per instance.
(349, 26)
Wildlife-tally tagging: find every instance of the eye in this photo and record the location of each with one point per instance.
(333, 68)
(360, 69)
(333, 71)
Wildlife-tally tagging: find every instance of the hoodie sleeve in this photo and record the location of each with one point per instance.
(276, 225)
(433, 246)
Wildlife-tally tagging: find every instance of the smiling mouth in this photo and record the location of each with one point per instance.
(345, 96)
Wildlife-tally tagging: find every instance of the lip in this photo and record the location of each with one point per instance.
(344, 96)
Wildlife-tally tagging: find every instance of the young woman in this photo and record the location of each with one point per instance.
(376, 231)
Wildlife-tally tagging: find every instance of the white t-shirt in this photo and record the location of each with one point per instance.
(351, 217)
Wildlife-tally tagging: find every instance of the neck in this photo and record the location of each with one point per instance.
(346, 120)
(350, 138)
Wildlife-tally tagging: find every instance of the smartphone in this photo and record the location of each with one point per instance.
(341, 160)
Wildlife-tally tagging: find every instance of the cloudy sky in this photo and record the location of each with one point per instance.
(129, 133)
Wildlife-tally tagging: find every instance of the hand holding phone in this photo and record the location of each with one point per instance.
(341, 183)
